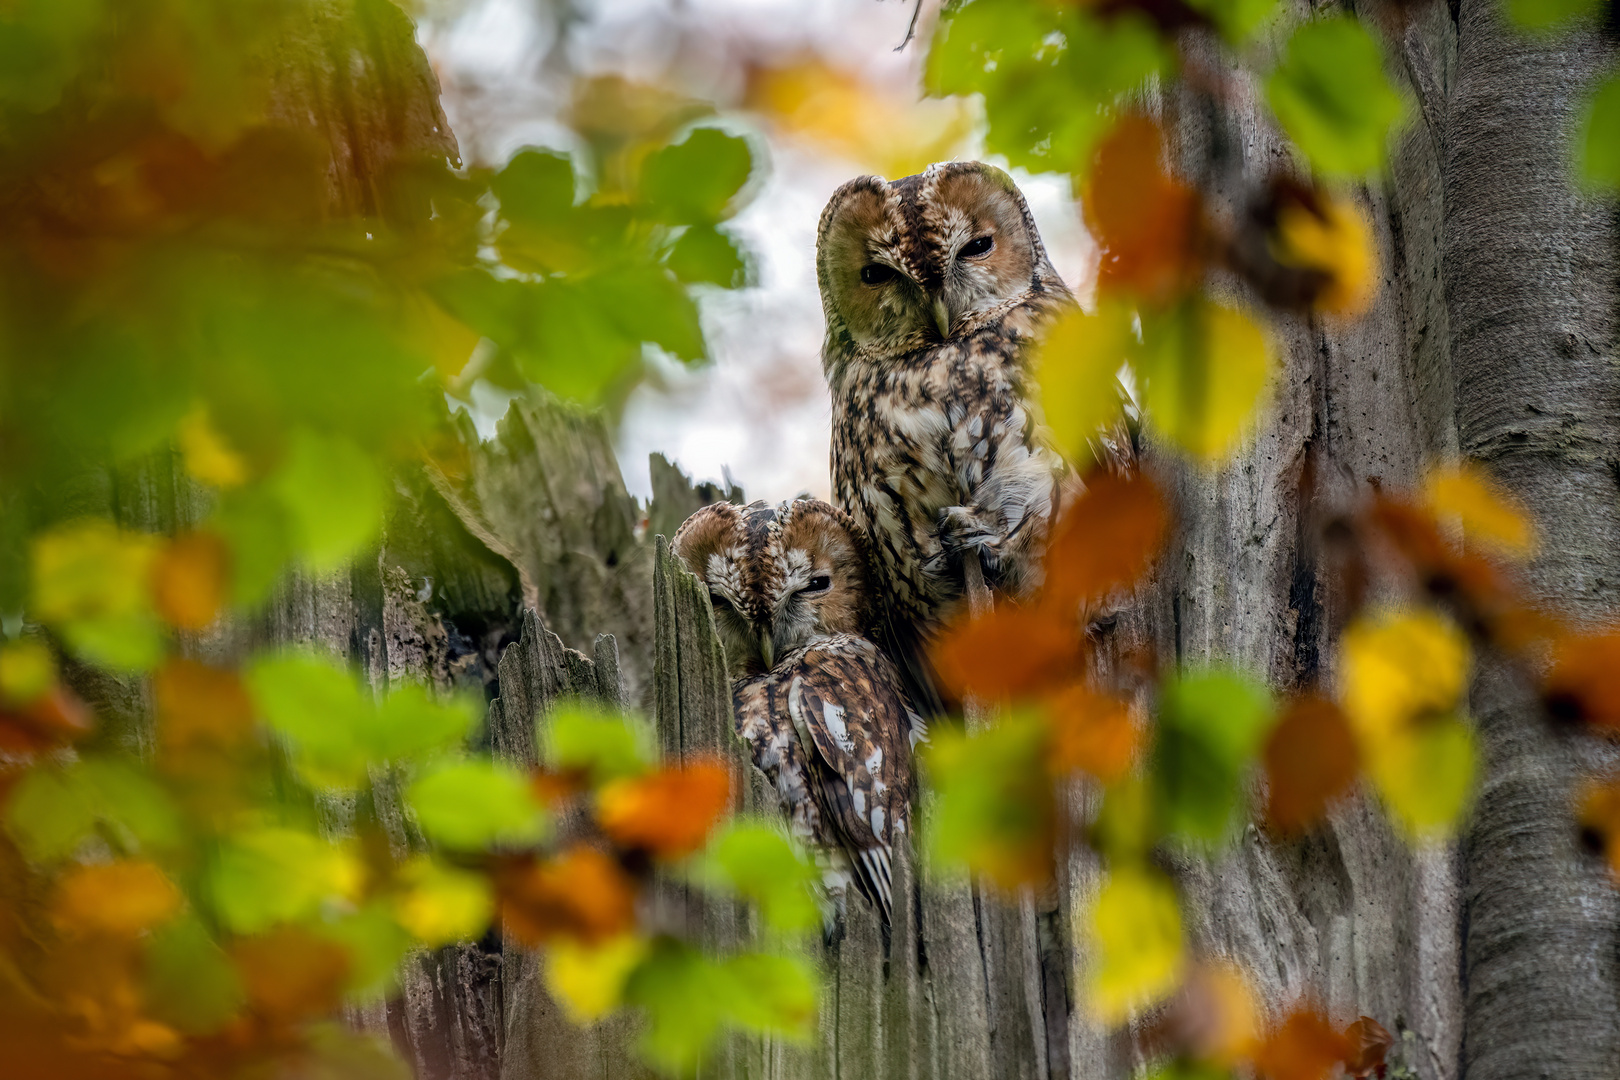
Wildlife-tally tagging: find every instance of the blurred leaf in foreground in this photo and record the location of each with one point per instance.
(1599, 142)
(1333, 99)
(1134, 925)
(993, 810)
(668, 813)
(1204, 368)
(589, 980)
(1487, 513)
(760, 862)
(470, 805)
(1211, 726)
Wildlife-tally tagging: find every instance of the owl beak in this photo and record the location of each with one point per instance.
(942, 317)
(767, 649)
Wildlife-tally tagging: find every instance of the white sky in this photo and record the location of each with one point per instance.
(760, 410)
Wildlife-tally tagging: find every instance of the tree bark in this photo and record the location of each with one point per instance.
(1531, 271)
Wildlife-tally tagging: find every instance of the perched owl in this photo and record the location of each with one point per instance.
(820, 706)
(934, 288)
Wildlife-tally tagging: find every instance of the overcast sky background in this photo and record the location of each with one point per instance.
(760, 411)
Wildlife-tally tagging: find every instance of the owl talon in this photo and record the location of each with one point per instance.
(963, 530)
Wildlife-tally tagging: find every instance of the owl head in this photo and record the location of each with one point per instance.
(907, 263)
(779, 577)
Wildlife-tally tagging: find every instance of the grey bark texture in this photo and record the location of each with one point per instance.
(1493, 338)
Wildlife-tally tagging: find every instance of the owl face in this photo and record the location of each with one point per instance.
(924, 259)
(779, 577)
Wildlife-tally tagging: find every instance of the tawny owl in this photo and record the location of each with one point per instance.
(820, 705)
(934, 288)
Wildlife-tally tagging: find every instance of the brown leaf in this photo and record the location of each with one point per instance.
(1305, 1047)
(199, 705)
(1106, 540)
(583, 893)
(1092, 732)
(190, 577)
(1009, 652)
(1369, 1043)
(668, 813)
(290, 974)
(1146, 222)
(1311, 759)
(1584, 682)
(53, 717)
(119, 898)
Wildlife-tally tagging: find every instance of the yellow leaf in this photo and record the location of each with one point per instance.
(1203, 373)
(206, 454)
(1076, 370)
(440, 904)
(27, 671)
(1336, 239)
(1138, 955)
(1487, 513)
(91, 569)
(890, 131)
(1397, 668)
(446, 340)
(121, 898)
(589, 980)
(1425, 774)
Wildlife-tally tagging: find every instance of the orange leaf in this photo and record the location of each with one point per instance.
(198, 704)
(1106, 540)
(582, 893)
(189, 580)
(289, 973)
(119, 898)
(54, 716)
(1311, 759)
(1009, 651)
(668, 813)
(1582, 684)
(1145, 221)
(1093, 732)
(1369, 1043)
(1306, 1047)
(1598, 812)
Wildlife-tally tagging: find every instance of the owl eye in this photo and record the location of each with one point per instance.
(877, 273)
(719, 602)
(819, 583)
(977, 246)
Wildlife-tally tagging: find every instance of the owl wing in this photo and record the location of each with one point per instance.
(845, 701)
(763, 723)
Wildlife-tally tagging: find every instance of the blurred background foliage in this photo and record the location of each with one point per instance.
(196, 260)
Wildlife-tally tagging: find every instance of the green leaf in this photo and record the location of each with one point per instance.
(648, 304)
(1333, 99)
(266, 876)
(706, 256)
(333, 495)
(1425, 773)
(1550, 14)
(190, 983)
(535, 186)
(135, 642)
(1049, 74)
(761, 863)
(1077, 373)
(1204, 369)
(259, 533)
(685, 998)
(1237, 19)
(319, 705)
(772, 994)
(51, 811)
(695, 180)
(1600, 137)
(1211, 727)
(411, 724)
(49, 814)
(991, 811)
(604, 746)
(376, 945)
(476, 804)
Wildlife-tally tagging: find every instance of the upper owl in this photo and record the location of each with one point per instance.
(935, 288)
(925, 259)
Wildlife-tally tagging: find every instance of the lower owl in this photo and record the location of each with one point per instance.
(821, 707)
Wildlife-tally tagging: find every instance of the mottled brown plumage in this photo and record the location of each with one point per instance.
(819, 704)
(934, 287)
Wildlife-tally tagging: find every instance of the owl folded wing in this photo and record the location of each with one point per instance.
(847, 708)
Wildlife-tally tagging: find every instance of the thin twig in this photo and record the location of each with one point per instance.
(911, 27)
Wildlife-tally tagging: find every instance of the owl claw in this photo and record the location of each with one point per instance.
(963, 529)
